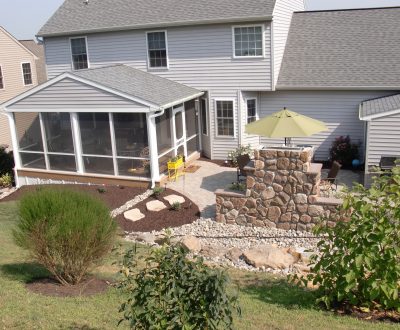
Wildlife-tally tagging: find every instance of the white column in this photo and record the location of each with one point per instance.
(152, 139)
(76, 134)
(184, 131)
(197, 108)
(44, 141)
(14, 141)
(113, 144)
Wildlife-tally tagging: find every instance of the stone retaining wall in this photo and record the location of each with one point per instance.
(282, 192)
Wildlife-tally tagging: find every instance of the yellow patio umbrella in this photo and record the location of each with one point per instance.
(285, 124)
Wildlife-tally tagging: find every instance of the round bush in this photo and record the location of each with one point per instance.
(68, 232)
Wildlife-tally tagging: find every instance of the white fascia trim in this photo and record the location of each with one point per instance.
(188, 98)
(161, 25)
(86, 110)
(337, 88)
(80, 79)
(379, 115)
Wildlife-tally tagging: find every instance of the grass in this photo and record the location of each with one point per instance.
(267, 302)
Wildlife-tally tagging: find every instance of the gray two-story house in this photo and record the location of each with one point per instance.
(134, 83)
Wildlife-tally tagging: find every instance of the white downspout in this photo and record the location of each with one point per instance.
(153, 148)
(14, 140)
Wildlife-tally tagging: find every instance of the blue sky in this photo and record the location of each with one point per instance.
(23, 18)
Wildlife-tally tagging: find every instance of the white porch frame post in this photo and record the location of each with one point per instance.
(197, 109)
(153, 148)
(44, 142)
(14, 141)
(173, 131)
(184, 131)
(113, 143)
(77, 142)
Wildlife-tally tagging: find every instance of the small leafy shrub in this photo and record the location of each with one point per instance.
(359, 263)
(242, 150)
(173, 292)
(176, 206)
(237, 186)
(6, 180)
(344, 151)
(101, 190)
(6, 162)
(157, 191)
(67, 232)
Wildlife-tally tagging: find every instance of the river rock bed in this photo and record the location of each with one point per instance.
(218, 242)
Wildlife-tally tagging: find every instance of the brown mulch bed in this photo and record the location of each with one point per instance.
(113, 197)
(166, 218)
(373, 315)
(51, 287)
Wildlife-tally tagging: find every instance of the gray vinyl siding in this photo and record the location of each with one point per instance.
(282, 18)
(200, 57)
(338, 109)
(383, 138)
(71, 94)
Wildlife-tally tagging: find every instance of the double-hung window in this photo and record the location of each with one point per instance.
(251, 110)
(27, 73)
(79, 53)
(225, 119)
(157, 49)
(1, 78)
(248, 41)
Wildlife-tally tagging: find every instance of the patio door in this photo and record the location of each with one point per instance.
(179, 130)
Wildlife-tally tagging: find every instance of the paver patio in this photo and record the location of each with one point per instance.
(201, 185)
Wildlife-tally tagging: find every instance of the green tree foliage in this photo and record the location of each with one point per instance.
(173, 292)
(67, 232)
(359, 261)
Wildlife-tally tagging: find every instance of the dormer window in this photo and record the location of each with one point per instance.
(157, 50)
(79, 53)
(248, 41)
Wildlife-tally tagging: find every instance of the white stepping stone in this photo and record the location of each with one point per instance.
(134, 215)
(155, 206)
(174, 199)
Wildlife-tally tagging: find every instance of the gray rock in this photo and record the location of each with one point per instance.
(191, 243)
(234, 254)
(269, 256)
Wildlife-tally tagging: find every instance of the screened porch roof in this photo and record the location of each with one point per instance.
(121, 82)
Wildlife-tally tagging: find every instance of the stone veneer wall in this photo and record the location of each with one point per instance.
(282, 192)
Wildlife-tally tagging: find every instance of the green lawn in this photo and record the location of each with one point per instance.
(267, 302)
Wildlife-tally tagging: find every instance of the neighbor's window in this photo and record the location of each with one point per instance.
(251, 110)
(1, 79)
(79, 53)
(225, 125)
(157, 49)
(248, 41)
(27, 73)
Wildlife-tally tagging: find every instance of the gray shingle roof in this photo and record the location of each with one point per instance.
(145, 86)
(348, 48)
(104, 15)
(379, 106)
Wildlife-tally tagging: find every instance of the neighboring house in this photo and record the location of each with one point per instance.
(147, 80)
(22, 67)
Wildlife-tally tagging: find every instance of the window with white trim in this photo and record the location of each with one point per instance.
(79, 53)
(251, 110)
(248, 41)
(225, 120)
(1, 78)
(157, 49)
(27, 73)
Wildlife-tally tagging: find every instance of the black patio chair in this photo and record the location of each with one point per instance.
(331, 179)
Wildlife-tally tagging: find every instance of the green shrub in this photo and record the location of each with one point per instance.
(67, 232)
(172, 292)
(101, 190)
(344, 151)
(237, 186)
(6, 180)
(157, 191)
(359, 264)
(242, 150)
(176, 206)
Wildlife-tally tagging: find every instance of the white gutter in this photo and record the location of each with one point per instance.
(171, 104)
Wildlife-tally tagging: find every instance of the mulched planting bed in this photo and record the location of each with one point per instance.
(113, 196)
(51, 287)
(166, 218)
